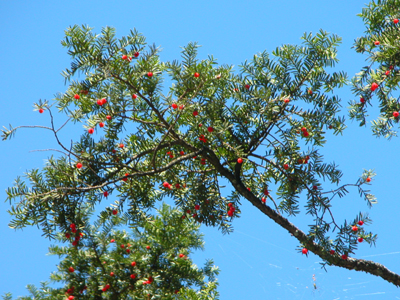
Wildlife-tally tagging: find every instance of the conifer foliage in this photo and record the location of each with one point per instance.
(260, 129)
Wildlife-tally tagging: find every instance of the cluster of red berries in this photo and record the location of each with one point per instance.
(303, 160)
(167, 185)
(125, 57)
(106, 288)
(149, 281)
(304, 131)
(231, 209)
(101, 102)
(202, 138)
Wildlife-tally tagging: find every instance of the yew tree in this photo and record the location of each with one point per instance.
(181, 130)
(105, 260)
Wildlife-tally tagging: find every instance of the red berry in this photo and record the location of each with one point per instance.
(263, 199)
(101, 124)
(315, 187)
(103, 101)
(114, 212)
(124, 57)
(71, 269)
(344, 256)
(136, 54)
(247, 87)
(188, 211)
(387, 73)
(239, 160)
(249, 189)
(71, 297)
(166, 184)
(360, 239)
(112, 274)
(361, 223)
(177, 185)
(230, 213)
(286, 100)
(41, 110)
(76, 96)
(148, 247)
(362, 100)
(305, 134)
(286, 166)
(266, 192)
(133, 276)
(332, 252)
(354, 228)
(181, 255)
(181, 106)
(197, 207)
(395, 114)
(67, 235)
(196, 74)
(376, 43)
(112, 241)
(368, 179)
(210, 129)
(195, 113)
(108, 117)
(304, 251)
(121, 145)
(133, 263)
(91, 130)
(174, 106)
(182, 153)
(99, 102)
(310, 92)
(391, 67)
(122, 246)
(150, 74)
(374, 86)
(303, 129)
(395, 21)
(79, 165)
(126, 177)
(134, 96)
(128, 251)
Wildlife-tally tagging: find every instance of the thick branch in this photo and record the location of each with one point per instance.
(350, 263)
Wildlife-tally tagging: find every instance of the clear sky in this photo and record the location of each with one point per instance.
(259, 260)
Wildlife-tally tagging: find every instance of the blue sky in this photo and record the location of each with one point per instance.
(259, 260)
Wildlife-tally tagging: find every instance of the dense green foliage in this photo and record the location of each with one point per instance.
(150, 261)
(381, 45)
(260, 129)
